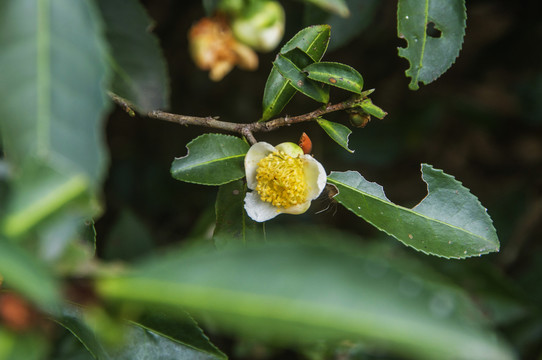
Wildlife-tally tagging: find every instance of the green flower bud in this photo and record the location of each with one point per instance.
(261, 26)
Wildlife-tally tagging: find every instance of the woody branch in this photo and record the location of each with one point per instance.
(245, 129)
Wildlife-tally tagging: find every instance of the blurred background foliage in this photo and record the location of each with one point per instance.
(481, 121)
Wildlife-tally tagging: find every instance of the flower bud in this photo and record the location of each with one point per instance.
(261, 26)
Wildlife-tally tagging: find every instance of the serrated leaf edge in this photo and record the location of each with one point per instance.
(333, 182)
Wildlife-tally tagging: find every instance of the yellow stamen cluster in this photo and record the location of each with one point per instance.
(281, 180)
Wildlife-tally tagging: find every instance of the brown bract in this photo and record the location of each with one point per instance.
(213, 47)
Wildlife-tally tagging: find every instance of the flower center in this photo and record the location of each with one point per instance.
(281, 180)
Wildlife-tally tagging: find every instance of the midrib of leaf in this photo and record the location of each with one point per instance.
(388, 203)
(43, 77)
(212, 161)
(117, 69)
(20, 221)
(276, 307)
(426, 17)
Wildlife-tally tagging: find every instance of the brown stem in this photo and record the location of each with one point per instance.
(243, 129)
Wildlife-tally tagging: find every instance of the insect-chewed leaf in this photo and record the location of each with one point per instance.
(336, 74)
(449, 222)
(313, 40)
(434, 31)
(212, 159)
(299, 80)
(338, 132)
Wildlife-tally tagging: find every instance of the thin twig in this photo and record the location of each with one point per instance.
(244, 129)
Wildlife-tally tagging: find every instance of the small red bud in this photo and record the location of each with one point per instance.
(305, 143)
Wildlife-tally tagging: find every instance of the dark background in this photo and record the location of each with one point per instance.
(481, 122)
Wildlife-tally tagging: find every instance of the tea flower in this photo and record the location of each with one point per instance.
(283, 180)
(213, 47)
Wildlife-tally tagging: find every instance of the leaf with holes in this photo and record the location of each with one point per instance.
(212, 159)
(449, 222)
(338, 132)
(299, 80)
(336, 74)
(434, 32)
(313, 40)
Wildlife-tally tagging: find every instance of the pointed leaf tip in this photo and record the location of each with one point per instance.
(449, 222)
(212, 159)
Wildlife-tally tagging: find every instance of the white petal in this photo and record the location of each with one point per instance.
(297, 209)
(315, 176)
(256, 152)
(259, 210)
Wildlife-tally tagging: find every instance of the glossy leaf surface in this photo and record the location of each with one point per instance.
(449, 222)
(434, 32)
(140, 73)
(336, 74)
(299, 80)
(233, 225)
(313, 40)
(274, 290)
(212, 159)
(338, 132)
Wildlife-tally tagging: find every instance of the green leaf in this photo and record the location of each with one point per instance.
(212, 159)
(128, 239)
(71, 318)
(338, 132)
(430, 55)
(292, 291)
(371, 109)
(449, 222)
(300, 81)
(336, 74)
(181, 328)
(336, 6)
(52, 85)
(171, 340)
(27, 346)
(40, 192)
(140, 73)
(299, 58)
(28, 275)
(232, 222)
(51, 119)
(313, 40)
